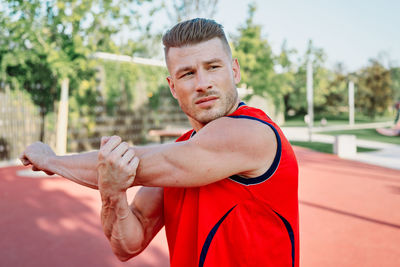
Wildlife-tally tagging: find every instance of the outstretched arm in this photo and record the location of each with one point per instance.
(80, 168)
(128, 228)
(222, 148)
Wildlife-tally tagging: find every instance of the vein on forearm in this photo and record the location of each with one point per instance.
(120, 225)
(80, 168)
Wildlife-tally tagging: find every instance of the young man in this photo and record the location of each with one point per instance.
(226, 191)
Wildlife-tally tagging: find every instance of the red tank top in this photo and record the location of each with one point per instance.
(238, 221)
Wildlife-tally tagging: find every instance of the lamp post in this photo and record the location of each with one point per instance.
(351, 103)
(62, 121)
(310, 98)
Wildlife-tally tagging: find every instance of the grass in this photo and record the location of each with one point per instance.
(367, 134)
(324, 147)
(298, 121)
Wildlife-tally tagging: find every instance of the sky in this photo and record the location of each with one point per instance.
(350, 32)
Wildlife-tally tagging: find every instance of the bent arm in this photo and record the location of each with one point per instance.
(130, 229)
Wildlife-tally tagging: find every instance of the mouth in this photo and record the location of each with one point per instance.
(205, 100)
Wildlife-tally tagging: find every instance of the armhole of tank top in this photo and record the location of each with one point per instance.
(274, 166)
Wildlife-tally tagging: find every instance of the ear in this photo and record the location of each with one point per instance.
(171, 86)
(236, 71)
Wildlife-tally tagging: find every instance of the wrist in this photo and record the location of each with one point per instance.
(50, 163)
(111, 197)
(117, 202)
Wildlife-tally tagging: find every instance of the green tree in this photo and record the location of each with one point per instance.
(45, 41)
(255, 57)
(337, 94)
(296, 99)
(395, 77)
(285, 76)
(186, 9)
(374, 92)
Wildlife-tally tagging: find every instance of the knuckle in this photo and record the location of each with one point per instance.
(110, 161)
(121, 166)
(116, 138)
(102, 154)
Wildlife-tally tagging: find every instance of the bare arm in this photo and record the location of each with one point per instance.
(79, 168)
(222, 148)
(128, 228)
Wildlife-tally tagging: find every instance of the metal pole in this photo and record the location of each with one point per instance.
(62, 122)
(310, 97)
(351, 103)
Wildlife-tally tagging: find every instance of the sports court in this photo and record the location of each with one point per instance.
(349, 216)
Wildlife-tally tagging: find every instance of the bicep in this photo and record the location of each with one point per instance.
(234, 147)
(222, 148)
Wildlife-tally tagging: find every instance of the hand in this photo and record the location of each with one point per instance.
(37, 155)
(117, 165)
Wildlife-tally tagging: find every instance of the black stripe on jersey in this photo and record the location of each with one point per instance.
(290, 232)
(274, 165)
(210, 237)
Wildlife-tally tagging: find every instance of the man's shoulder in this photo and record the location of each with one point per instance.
(248, 111)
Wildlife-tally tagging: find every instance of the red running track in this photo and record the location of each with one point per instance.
(349, 216)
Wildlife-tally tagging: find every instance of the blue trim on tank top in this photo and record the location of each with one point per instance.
(291, 235)
(210, 237)
(271, 170)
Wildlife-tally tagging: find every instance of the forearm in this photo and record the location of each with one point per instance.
(122, 228)
(79, 168)
(82, 168)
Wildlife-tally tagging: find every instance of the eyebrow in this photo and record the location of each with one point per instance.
(214, 60)
(183, 69)
(189, 68)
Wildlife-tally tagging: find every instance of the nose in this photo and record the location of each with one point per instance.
(203, 82)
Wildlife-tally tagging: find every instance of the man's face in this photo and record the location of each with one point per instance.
(203, 79)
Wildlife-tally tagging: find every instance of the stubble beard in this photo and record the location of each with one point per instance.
(224, 107)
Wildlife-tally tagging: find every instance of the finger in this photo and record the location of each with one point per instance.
(112, 143)
(104, 140)
(127, 157)
(133, 165)
(49, 173)
(119, 151)
(25, 161)
(34, 168)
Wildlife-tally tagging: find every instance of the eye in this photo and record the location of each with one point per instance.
(213, 67)
(187, 74)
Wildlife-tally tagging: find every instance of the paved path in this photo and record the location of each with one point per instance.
(348, 217)
(387, 155)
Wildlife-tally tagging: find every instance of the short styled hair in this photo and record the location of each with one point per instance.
(192, 32)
